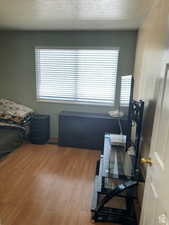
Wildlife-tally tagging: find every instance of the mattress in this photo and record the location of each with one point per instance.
(10, 139)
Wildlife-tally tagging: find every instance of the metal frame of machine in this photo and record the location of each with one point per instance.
(126, 187)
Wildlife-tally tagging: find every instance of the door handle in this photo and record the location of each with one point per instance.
(146, 161)
(163, 220)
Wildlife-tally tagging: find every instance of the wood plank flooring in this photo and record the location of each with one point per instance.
(47, 185)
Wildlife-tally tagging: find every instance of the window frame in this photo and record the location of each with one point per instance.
(118, 77)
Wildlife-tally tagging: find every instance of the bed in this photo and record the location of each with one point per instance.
(14, 125)
(10, 139)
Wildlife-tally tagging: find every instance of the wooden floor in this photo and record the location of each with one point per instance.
(47, 185)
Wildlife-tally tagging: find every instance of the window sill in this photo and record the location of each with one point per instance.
(75, 102)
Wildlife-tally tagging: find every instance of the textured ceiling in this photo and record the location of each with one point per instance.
(72, 14)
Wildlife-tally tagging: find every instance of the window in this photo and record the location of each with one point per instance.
(126, 82)
(80, 76)
(77, 75)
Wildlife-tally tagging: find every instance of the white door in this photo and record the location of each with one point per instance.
(155, 209)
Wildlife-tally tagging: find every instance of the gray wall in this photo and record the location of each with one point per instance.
(17, 64)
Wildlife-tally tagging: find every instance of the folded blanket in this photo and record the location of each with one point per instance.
(9, 110)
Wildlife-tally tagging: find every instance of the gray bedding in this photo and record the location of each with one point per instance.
(10, 139)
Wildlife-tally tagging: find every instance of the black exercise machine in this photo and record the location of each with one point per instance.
(118, 172)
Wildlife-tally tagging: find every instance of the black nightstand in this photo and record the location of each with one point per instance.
(39, 129)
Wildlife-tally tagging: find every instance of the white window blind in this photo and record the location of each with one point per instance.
(77, 75)
(126, 82)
